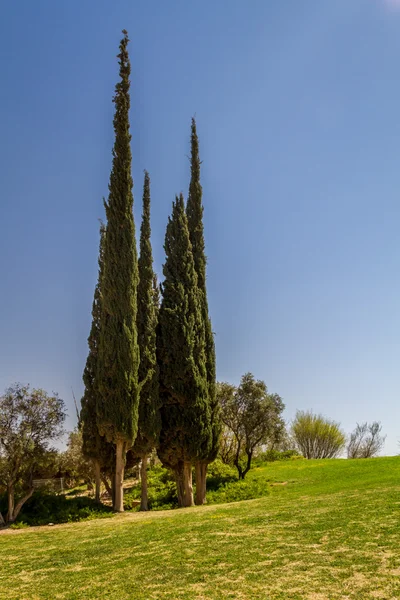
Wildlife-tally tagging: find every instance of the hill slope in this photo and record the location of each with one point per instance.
(332, 532)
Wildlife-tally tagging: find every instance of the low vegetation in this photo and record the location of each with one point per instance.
(317, 437)
(327, 530)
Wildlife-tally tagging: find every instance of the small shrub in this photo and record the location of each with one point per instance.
(219, 474)
(43, 508)
(19, 525)
(235, 491)
(317, 437)
(161, 491)
(276, 455)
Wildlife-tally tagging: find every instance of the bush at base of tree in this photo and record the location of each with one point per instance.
(44, 508)
(317, 437)
(222, 484)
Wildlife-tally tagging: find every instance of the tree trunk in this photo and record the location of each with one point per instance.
(11, 500)
(201, 474)
(143, 475)
(106, 483)
(180, 488)
(98, 481)
(14, 510)
(21, 502)
(113, 488)
(119, 476)
(2, 521)
(187, 484)
(248, 465)
(239, 468)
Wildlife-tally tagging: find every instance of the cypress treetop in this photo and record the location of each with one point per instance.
(117, 406)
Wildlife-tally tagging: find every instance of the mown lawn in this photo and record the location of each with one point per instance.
(332, 532)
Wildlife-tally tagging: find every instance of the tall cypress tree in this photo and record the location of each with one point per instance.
(149, 424)
(117, 406)
(181, 356)
(194, 212)
(94, 446)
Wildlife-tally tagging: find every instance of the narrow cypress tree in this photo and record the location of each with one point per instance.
(181, 356)
(194, 212)
(117, 405)
(149, 424)
(94, 446)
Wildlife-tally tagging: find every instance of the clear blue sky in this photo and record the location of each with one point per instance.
(298, 112)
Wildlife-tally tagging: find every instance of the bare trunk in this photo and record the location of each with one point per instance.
(98, 480)
(143, 476)
(119, 476)
(248, 465)
(11, 500)
(113, 488)
(187, 484)
(2, 521)
(201, 474)
(107, 485)
(14, 510)
(179, 484)
(21, 502)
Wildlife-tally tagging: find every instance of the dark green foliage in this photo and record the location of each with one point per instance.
(183, 384)
(219, 474)
(94, 446)
(117, 405)
(44, 508)
(194, 211)
(149, 424)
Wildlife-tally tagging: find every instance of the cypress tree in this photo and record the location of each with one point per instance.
(149, 423)
(181, 356)
(194, 212)
(94, 446)
(117, 405)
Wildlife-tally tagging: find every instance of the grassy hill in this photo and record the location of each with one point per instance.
(332, 532)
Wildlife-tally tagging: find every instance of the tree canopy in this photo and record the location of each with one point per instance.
(29, 421)
(253, 415)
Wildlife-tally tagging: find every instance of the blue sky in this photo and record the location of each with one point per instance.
(297, 105)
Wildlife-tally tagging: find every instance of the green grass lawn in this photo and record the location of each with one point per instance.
(332, 532)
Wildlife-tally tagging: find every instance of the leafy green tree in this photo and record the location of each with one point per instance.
(194, 211)
(181, 356)
(317, 437)
(147, 317)
(253, 416)
(94, 446)
(118, 360)
(29, 421)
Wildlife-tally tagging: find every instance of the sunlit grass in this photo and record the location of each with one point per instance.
(332, 532)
